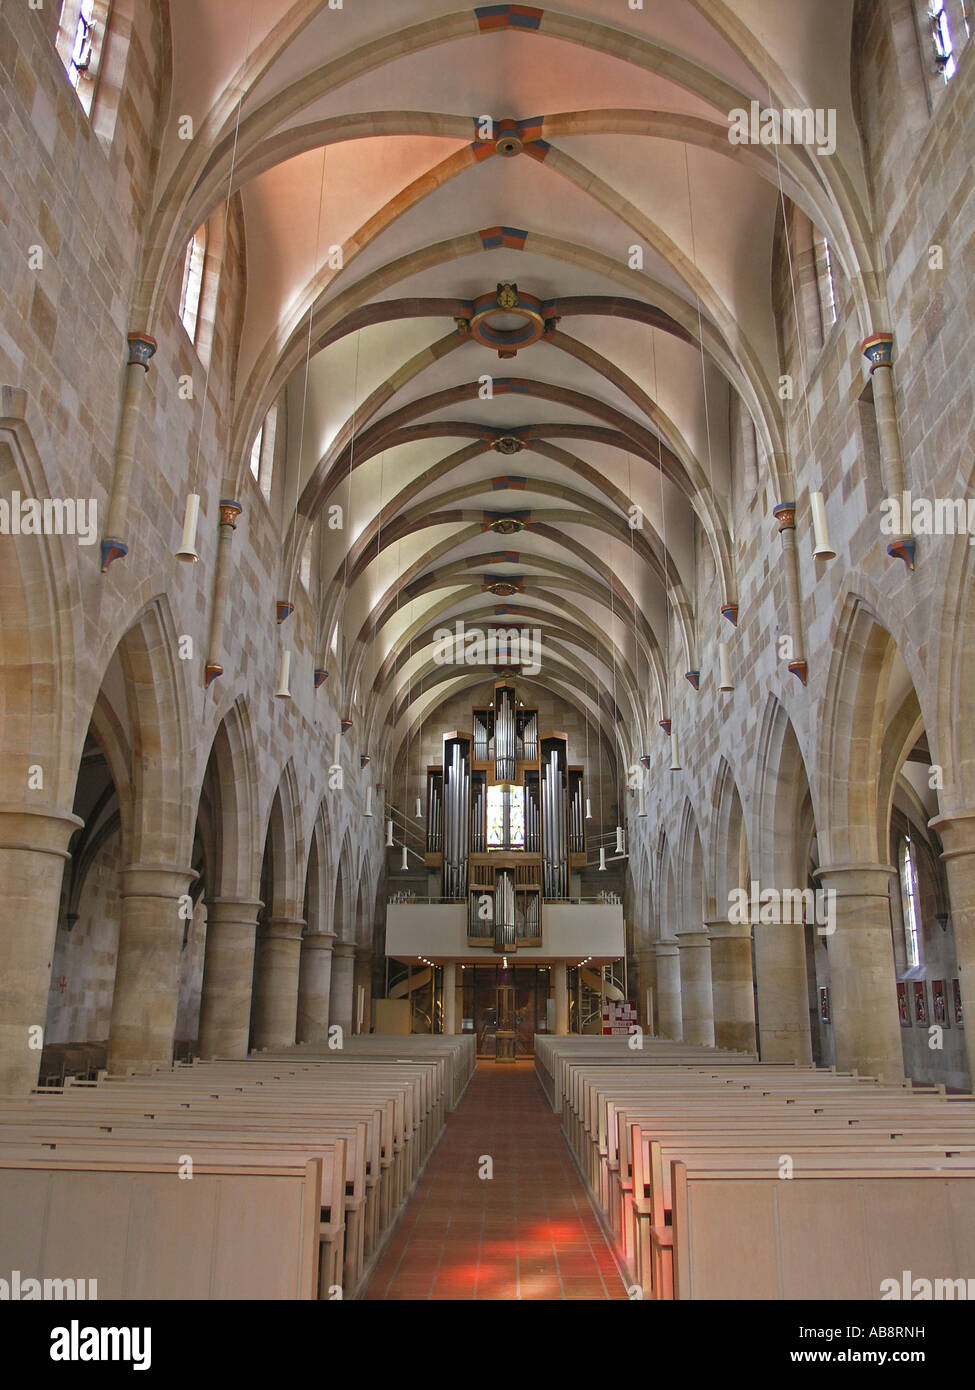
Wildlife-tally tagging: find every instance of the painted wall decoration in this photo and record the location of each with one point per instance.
(956, 999)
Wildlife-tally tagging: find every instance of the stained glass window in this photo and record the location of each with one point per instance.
(505, 817)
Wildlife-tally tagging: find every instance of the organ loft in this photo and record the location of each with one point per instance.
(518, 930)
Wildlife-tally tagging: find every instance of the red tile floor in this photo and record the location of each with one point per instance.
(528, 1232)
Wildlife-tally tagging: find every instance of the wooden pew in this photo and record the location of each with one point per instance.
(236, 1231)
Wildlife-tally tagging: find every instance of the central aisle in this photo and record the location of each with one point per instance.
(526, 1233)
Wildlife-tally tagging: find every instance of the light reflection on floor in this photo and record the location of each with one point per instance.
(526, 1233)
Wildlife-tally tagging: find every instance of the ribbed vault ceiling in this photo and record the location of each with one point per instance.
(624, 402)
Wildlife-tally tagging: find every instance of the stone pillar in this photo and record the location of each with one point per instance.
(560, 984)
(314, 987)
(647, 972)
(229, 512)
(957, 834)
(879, 352)
(33, 848)
(783, 993)
(866, 1028)
(146, 998)
(785, 515)
(731, 984)
(449, 997)
(669, 1020)
(276, 985)
(340, 1003)
(228, 973)
(696, 997)
(141, 351)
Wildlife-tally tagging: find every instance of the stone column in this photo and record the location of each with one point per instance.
(33, 848)
(866, 1028)
(229, 512)
(783, 993)
(228, 973)
(560, 983)
(314, 986)
(785, 515)
(732, 986)
(647, 971)
(879, 352)
(340, 1004)
(696, 997)
(141, 351)
(449, 997)
(669, 1020)
(276, 986)
(957, 834)
(146, 998)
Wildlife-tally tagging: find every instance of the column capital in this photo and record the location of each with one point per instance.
(697, 936)
(318, 941)
(284, 928)
(241, 910)
(878, 349)
(856, 880)
(156, 880)
(785, 515)
(142, 349)
(719, 929)
(666, 947)
(957, 832)
(229, 512)
(42, 830)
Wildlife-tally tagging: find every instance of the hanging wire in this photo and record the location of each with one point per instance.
(663, 533)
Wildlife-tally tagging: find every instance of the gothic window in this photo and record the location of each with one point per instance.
(306, 559)
(81, 33)
(262, 453)
(911, 904)
(193, 263)
(827, 283)
(945, 37)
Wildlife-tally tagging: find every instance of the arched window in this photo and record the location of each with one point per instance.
(911, 904)
(81, 36)
(950, 31)
(826, 281)
(262, 453)
(306, 559)
(193, 263)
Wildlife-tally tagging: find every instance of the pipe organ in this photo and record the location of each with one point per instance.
(505, 821)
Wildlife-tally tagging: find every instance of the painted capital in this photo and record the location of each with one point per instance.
(730, 611)
(879, 350)
(284, 610)
(785, 515)
(142, 349)
(229, 512)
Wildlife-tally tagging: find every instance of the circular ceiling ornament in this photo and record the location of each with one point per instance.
(508, 444)
(507, 525)
(503, 589)
(507, 320)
